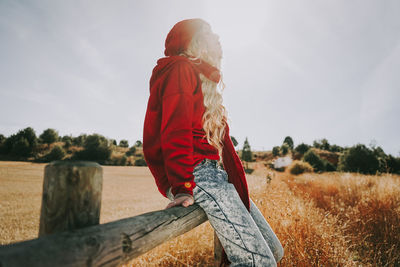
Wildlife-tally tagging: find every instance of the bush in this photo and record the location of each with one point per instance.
(289, 141)
(66, 138)
(275, 151)
(96, 148)
(117, 160)
(67, 144)
(2, 138)
(138, 143)
(21, 144)
(123, 143)
(393, 164)
(247, 155)
(360, 159)
(248, 170)
(302, 148)
(131, 151)
(48, 136)
(315, 161)
(298, 167)
(57, 153)
(329, 167)
(140, 162)
(80, 140)
(21, 148)
(284, 149)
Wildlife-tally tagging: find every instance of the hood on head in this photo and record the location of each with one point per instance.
(179, 37)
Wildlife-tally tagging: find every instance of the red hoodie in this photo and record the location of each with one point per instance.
(174, 141)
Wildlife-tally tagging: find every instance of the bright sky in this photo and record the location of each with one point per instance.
(307, 69)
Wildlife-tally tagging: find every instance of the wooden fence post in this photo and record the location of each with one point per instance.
(71, 196)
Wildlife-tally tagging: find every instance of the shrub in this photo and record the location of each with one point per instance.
(57, 153)
(336, 148)
(315, 161)
(2, 138)
(329, 167)
(138, 143)
(140, 162)
(49, 136)
(117, 160)
(246, 151)
(360, 159)
(21, 148)
(123, 143)
(248, 170)
(96, 148)
(302, 148)
(80, 140)
(275, 151)
(67, 144)
(66, 138)
(21, 144)
(131, 151)
(289, 141)
(284, 149)
(299, 167)
(393, 164)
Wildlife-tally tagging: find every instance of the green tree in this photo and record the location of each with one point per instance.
(21, 144)
(314, 160)
(140, 162)
(359, 158)
(67, 144)
(285, 149)
(49, 136)
(21, 148)
(131, 151)
(275, 151)
(79, 140)
(302, 148)
(66, 138)
(56, 153)
(289, 141)
(2, 138)
(393, 164)
(138, 143)
(96, 148)
(123, 143)
(246, 152)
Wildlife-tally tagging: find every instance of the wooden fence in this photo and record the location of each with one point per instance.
(70, 233)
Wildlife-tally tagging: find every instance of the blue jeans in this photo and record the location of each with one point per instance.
(246, 237)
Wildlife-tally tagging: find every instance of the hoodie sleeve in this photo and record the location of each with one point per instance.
(234, 168)
(176, 127)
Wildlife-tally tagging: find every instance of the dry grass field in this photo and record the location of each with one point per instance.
(334, 219)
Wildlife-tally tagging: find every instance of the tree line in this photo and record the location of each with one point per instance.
(322, 156)
(49, 146)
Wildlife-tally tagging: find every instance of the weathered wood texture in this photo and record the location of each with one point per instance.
(71, 196)
(108, 244)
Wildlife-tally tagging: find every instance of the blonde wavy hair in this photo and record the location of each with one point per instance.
(215, 115)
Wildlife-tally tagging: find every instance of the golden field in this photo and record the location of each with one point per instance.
(333, 219)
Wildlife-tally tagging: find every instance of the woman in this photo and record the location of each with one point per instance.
(188, 149)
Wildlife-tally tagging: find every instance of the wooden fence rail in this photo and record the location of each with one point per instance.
(71, 203)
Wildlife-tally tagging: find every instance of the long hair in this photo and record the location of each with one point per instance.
(215, 115)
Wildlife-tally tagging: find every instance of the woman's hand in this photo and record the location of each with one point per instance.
(185, 201)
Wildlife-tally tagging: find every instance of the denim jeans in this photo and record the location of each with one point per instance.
(246, 237)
